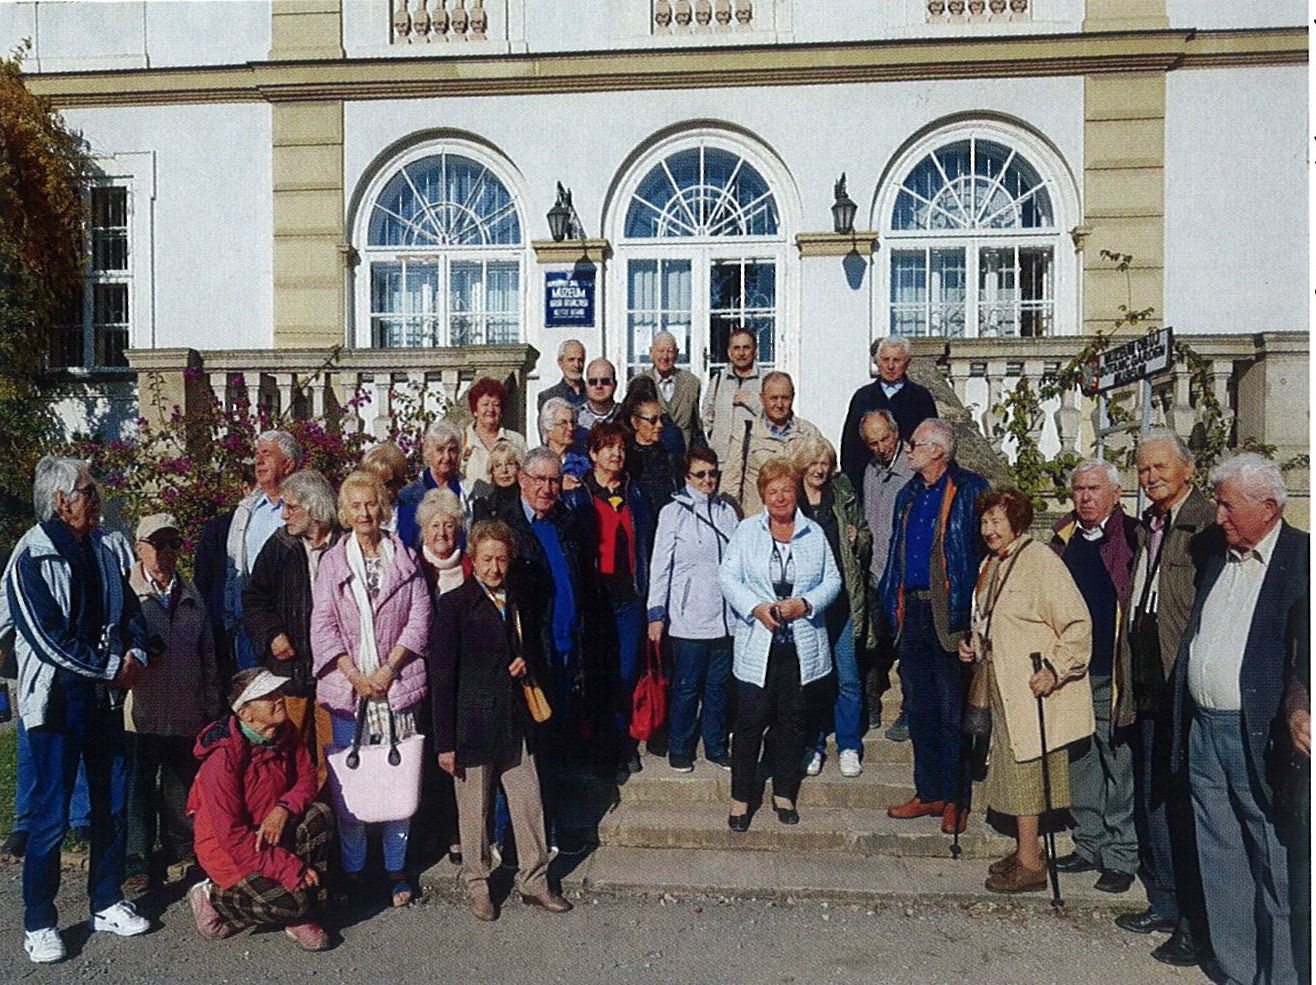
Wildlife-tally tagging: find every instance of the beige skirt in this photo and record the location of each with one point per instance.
(1016, 788)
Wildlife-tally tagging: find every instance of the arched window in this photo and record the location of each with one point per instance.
(443, 248)
(702, 244)
(973, 234)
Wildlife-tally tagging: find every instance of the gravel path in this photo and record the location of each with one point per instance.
(617, 941)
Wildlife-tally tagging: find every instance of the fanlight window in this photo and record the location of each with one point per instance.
(702, 192)
(973, 245)
(973, 184)
(444, 200)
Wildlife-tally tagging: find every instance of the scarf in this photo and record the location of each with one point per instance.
(448, 569)
(367, 651)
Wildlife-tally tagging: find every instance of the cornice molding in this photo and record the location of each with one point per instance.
(571, 250)
(649, 69)
(860, 242)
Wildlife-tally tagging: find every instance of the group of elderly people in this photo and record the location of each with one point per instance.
(501, 603)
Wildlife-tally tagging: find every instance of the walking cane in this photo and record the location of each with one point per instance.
(965, 786)
(1050, 836)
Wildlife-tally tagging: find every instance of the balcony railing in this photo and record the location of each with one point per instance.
(439, 21)
(702, 16)
(978, 11)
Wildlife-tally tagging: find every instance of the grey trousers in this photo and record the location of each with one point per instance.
(1244, 867)
(1101, 787)
(474, 787)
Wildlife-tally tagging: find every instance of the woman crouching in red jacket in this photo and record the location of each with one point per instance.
(260, 835)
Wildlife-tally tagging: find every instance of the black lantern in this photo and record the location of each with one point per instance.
(560, 215)
(843, 209)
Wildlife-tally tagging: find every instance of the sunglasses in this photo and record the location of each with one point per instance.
(601, 381)
(647, 420)
(705, 474)
(165, 543)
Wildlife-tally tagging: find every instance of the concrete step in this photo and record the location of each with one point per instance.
(855, 831)
(829, 876)
(880, 785)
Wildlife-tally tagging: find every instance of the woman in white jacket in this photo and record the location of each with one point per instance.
(779, 576)
(694, 530)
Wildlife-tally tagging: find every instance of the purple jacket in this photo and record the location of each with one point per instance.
(402, 615)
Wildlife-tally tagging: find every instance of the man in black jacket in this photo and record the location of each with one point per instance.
(908, 402)
(278, 596)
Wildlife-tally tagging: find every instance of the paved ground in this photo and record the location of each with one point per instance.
(620, 940)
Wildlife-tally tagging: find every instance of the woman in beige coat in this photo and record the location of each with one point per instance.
(1026, 603)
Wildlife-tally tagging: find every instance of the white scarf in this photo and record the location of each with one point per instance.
(450, 574)
(367, 652)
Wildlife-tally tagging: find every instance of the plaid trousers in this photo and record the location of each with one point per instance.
(261, 901)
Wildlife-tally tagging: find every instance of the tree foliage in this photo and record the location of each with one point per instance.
(44, 168)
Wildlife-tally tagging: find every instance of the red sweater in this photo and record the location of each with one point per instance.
(240, 782)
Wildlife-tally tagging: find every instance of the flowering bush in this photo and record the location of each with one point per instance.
(192, 465)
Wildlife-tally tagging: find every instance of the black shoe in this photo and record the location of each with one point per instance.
(1179, 950)
(899, 730)
(739, 823)
(681, 764)
(1114, 882)
(15, 845)
(723, 760)
(455, 857)
(1074, 862)
(1145, 923)
(787, 815)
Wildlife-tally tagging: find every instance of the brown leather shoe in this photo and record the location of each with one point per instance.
(1018, 879)
(916, 808)
(1003, 864)
(483, 908)
(951, 816)
(547, 900)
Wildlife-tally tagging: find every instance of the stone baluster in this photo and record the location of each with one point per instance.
(479, 21)
(662, 17)
(1019, 8)
(722, 14)
(936, 10)
(683, 14)
(1069, 420)
(420, 20)
(977, 8)
(383, 404)
(956, 9)
(285, 385)
(349, 386)
(991, 417)
(318, 404)
(1179, 410)
(401, 22)
(745, 15)
(703, 14)
(460, 21)
(252, 383)
(1222, 372)
(958, 373)
(1037, 424)
(440, 21)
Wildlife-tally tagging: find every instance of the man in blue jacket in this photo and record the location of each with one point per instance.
(927, 593)
(80, 643)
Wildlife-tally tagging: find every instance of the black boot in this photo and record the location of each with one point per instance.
(1180, 950)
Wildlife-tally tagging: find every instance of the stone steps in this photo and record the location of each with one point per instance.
(880, 785)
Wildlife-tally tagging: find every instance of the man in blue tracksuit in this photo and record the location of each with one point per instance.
(80, 642)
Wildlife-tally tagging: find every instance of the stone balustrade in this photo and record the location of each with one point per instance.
(438, 21)
(352, 390)
(978, 11)
(677, 17)
(1260, 382)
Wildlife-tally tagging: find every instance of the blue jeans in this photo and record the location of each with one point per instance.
(352, 834)
(89, 732)
(629, 617)
(79, 806)
(933, 689)
(847, 714)
(702, 671)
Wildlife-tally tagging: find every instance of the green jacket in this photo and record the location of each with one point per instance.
(856, 555)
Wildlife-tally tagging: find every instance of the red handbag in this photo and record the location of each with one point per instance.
(649, 702)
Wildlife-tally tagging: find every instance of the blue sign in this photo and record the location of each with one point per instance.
(568, 298)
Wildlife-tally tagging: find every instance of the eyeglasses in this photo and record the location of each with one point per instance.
(647, 420)
(601, 381)
(543, 480)
(705, 474)
(922, 444)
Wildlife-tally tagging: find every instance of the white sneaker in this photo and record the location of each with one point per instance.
(122, 918)
(44, 946)
(850, 765)
(815, 765)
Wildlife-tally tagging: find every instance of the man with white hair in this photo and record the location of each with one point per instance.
(909, 403)
(1174, 538)
(1097, 541)
(80, 642)
(1229, 679)
(678, 389)
(927, 594)
(571, 388)
(254, 521)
